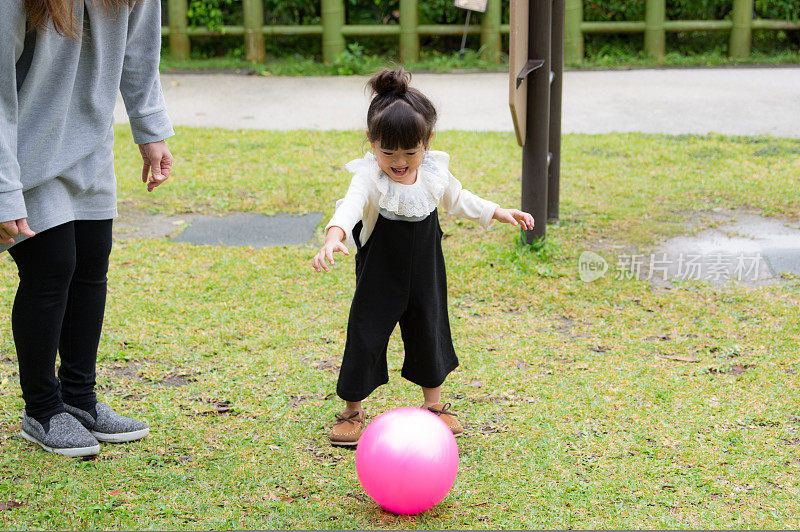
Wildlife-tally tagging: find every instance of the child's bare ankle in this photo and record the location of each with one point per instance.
(348, 410)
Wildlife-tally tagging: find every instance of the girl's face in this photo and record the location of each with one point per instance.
(400, 164)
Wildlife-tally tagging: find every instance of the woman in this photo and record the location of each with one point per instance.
(62, 63)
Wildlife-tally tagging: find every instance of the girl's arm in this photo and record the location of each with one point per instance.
(12, 204)
(349, 211)
(464, 203)
(140, 86)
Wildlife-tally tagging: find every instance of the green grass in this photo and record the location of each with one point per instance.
(616, 58)
(352, 61)
(601, 58)
(572, 418)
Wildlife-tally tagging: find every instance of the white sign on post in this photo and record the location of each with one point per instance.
(472, 5)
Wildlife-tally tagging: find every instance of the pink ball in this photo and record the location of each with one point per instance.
(407, 460)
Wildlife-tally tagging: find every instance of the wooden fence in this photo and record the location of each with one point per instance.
(655, 26)
(333, 31)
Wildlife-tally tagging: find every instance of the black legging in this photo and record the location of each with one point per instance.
(59, 306)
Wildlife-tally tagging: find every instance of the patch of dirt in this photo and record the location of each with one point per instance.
(295, 400)
(218, 406)
(176, 380)
(490, 427)
(327, 364)
(735, 369)
(600, 349)
(129, 371)
(135, 371)
(326, 454)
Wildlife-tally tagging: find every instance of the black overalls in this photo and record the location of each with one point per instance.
(400, 276)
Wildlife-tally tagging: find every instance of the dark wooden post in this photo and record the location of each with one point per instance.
(536, 149)
(557, 59)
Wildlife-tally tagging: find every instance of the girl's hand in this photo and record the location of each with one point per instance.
(157, 161)
(11, 228)
(514, 217)
(333, 243)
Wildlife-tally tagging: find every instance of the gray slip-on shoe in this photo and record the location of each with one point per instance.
(66, 435)
(109, 426)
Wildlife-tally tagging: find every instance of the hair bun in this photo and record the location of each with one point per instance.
(390, 82)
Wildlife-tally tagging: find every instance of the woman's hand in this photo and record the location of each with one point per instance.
(157, 161)
(333, 243)
(12, 228)
(514, 217)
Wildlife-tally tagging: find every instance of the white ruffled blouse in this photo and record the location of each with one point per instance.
(372, 191)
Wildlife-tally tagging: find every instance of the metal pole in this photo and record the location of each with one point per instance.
(554, 142)
(654, 16)
(179, 46)
(464, 35)
(254, 49)
(409, 38)
(534, 153)
(332, 14)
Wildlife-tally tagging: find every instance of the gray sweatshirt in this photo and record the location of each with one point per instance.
(57, 97)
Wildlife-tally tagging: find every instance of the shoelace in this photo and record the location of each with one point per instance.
(341, 419)
(443, 411)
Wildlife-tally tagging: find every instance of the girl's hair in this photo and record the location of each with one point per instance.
(399, 115)
(61, 14)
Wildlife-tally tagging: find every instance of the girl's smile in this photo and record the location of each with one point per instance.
(399, 172)
(401, 164)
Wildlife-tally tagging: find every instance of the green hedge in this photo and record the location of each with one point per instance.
(213, 13)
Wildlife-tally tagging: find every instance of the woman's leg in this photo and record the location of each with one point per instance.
(83, 318)
(46, 263)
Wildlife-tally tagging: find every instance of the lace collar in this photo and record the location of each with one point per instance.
(419, 199)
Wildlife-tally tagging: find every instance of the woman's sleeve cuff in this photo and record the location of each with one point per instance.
(12, 206)
(154, 127)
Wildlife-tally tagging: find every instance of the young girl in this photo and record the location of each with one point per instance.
(390, 212)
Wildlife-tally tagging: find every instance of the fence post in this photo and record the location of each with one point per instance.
(332, 14)
(741, 33)
(178, 40)
(253, 33)
(573, 36)
(490, 31)
(409, 38)
(654, 17)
